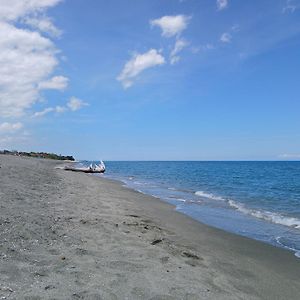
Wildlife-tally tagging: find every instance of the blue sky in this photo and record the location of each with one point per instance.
(151, 80)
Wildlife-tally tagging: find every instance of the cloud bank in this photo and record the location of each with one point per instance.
(54, 83)
(43, 24)
(27, 58)
(290, 156)
(10, 127)
(13, 10)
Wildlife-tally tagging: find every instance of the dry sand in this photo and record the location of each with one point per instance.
(66, 235)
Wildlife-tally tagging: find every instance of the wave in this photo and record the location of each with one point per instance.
(260, 214)
(267, 215)
(139, 183)
(209, 196)
(181, 190)
(296, 251)
(178, 199)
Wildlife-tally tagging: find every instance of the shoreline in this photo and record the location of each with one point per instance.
(75, 235)
(245, 211)
(174, 207)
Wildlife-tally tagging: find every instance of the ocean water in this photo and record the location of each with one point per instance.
(260, 200)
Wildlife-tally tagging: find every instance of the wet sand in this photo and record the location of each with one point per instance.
(68, 235)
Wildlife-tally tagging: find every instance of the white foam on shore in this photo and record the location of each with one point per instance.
(260, 214)
(209, 196)
(296, 251)
(266, 215)
(271, 217)
(179, 199)
(138, 183)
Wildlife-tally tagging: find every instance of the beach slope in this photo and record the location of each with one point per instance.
(68, 235)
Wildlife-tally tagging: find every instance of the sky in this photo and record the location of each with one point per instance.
(151, 79)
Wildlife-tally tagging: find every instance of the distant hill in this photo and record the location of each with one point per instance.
(38, 154)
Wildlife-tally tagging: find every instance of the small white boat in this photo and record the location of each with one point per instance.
(92, 168)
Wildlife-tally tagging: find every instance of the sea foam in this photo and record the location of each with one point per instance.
(209, 196)
(296, 251)
(266, 215)
(273, 217)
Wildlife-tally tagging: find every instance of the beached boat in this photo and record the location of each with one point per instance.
(92, 168)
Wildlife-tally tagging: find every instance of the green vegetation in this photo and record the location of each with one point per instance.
(38, 154)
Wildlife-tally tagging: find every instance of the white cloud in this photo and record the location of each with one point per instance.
(171, 25)
(54, 83)
(174, 59)
(226, 37)
(27, 58)
(180, 44)
(60, 109)
(13, 138)
(10, 127)
(205, 47)
(15, 9)
(235, 28)
(139, 63)
(291, 6)
(289, 156)
(43, 24)
(75, 104)
(43, 112)
(222, 4)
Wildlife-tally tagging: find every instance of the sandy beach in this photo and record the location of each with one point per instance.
(69, 235)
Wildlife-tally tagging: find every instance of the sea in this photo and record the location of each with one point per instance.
(259, 200)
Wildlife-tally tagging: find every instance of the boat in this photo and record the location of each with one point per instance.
(92, 168)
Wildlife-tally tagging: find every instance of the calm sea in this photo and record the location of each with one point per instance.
(260, 200)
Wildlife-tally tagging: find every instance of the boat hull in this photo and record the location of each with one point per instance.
(83, 170)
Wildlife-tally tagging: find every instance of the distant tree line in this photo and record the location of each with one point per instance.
(38, 154)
